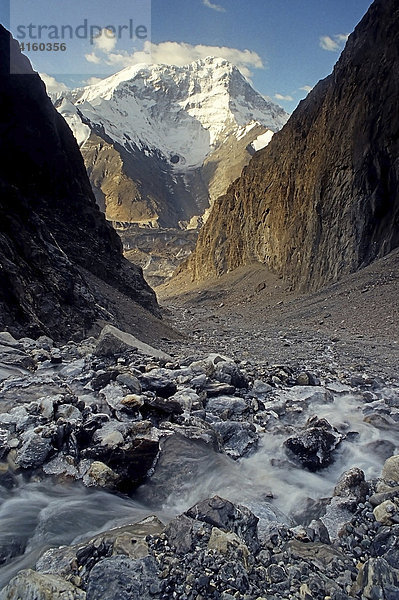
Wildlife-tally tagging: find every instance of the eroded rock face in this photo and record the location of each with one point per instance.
(322, 199)
(50, 225)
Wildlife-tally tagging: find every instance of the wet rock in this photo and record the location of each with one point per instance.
(34, 451)
(378, 580)
(314, 447)
(387, 512)
(99, 475)
(386, 545)
(131, 462)
(121, 578)
(31, 585)
(239, 439)
(181, 534)
(226, 542)
(229, 517)
(390, 471)
(114, 341)
(7, 478)
(353, 487)
(379, 498)
(226, 406)
(161, 406)
(68, 412)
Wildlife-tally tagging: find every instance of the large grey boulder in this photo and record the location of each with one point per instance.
(114, 341)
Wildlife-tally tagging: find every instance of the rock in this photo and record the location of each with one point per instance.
(390, 470)
(121, 578)
(378, 580)
(315, 445)
(68, 412)
(260, 389)
(226, 541)
(217, 389)
(159, 383)
(31, 585)
(114, 341)
(129, 381)
(379, 498)
(229, 517)
(239, 439)
(100, 475)
(7, 477)
(386, 512)
(226, 406)
(161, 406)
(131, 462)
(386, 544)
(181, 534)
(228, 372)
(352, 485)
(132, 402)
(34, 451)
(55, 356)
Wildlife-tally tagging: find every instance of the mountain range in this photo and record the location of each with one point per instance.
(162, 142)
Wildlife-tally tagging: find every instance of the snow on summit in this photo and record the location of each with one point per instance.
(181, 113)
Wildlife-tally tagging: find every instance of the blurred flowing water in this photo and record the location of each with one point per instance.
(38, 515)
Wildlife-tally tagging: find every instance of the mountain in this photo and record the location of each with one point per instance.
(54, 240)
(155, 138)
(322, 199)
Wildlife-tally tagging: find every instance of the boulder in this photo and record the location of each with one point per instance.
(113, 341)
(122, 578)
(227, 516)
(31, 585)
(390, 470)
(34, 451)
(314, 447)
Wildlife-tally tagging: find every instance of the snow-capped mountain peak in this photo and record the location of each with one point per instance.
(181, 112)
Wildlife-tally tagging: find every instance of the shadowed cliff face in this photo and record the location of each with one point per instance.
(323, 198)
(50, 225)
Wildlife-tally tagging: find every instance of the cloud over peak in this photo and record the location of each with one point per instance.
(333, 43)
(213, 6)
(179, 53)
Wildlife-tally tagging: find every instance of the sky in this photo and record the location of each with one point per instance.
(282, 46)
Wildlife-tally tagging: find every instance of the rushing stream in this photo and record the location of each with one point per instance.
(37, 515)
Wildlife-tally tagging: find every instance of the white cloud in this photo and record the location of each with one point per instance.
(306, 88)
(106, 41)
(53, 86)
(93, 80)
(216, 7)
(281, 97)
(93, 58)
(334, 43)
(180, 53)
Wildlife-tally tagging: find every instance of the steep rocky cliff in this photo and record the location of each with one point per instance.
(51, 229)
(323, 198)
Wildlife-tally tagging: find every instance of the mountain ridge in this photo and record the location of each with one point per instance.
(171, 121)
(321, 200)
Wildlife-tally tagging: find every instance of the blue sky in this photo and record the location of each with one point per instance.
(283, 46)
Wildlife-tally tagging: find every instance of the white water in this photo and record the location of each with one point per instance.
(45, 515)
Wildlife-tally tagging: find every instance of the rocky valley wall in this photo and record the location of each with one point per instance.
(50, 225)
(323, 198)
